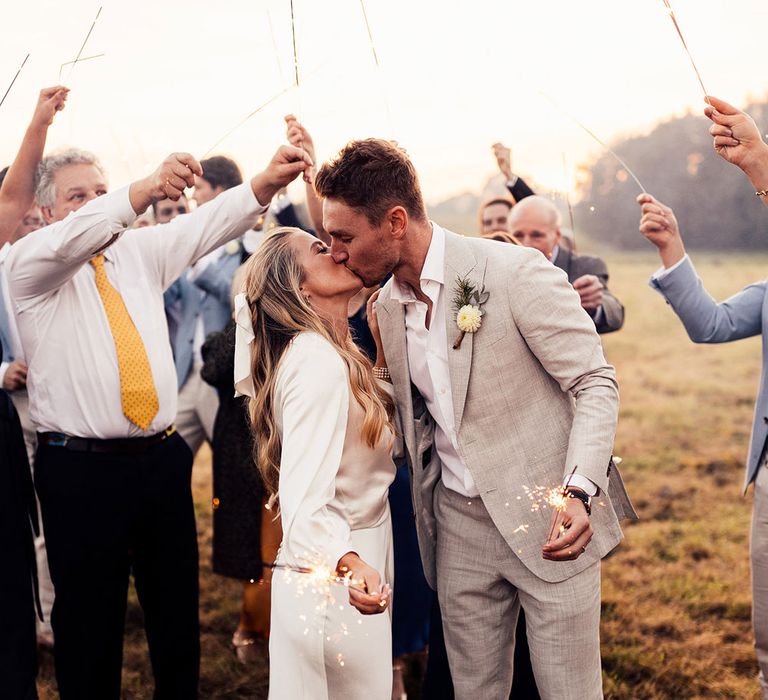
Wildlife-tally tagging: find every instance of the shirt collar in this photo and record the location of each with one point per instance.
(432, 271)
(4, 252)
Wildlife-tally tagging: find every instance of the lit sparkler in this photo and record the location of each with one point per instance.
(685, 46)
(568, 198)
(14, 80)
(596, 138)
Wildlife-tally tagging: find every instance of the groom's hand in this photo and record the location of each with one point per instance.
(571, 532)
(365, 590)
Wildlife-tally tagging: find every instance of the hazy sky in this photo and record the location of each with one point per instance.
(454, 76)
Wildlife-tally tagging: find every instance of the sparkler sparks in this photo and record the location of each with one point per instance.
(14, 80)
(685, 46)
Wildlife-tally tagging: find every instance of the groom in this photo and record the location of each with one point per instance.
(523, 398)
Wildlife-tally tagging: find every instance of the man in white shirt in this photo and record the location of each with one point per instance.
(500, 383)
(112, 475)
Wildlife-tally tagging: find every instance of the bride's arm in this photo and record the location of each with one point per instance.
(312, 398)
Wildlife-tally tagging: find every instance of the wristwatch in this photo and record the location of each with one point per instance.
(573, 492)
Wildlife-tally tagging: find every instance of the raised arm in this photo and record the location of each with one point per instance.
(18, 190)
(298, 136)
(42, 261)
(738, 140)
(517, 187)
(704, 319)
(170, 248)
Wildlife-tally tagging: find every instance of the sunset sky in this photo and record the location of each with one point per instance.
(453, 77)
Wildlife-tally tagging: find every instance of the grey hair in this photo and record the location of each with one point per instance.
(540, 203)
(45, 189)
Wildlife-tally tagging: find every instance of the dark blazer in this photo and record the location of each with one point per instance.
(236, 482)
(520, 190)
(575, 266)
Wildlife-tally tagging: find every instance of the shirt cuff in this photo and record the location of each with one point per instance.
(662, 272)
(118, 208)
(581, 482)
(598, 317)
(3, 369)
(512, 181)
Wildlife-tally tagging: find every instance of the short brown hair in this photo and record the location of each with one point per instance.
(372, 176)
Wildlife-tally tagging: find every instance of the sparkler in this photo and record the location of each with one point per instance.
(568, 199)
(321, 576)
(14, 80)
(295, 54)
(685, 46)
(245, 119)
(85, 41)
(370, 34)
(596, 138)
(82, 60)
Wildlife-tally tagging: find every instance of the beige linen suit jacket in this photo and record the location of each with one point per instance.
(533, 397)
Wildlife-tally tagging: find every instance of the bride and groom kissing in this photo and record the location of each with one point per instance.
(489, 378)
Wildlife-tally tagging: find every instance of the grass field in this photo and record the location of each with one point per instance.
(676, 600)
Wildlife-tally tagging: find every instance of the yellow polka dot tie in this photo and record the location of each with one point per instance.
(137, 388)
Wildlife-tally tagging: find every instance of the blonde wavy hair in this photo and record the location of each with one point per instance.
(279, 312)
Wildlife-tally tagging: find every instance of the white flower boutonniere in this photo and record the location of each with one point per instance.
(232, 247)
(468, 302)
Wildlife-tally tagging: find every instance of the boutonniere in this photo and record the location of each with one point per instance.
(468, 301)
(232, 247)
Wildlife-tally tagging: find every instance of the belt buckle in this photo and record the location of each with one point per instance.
(58, 440)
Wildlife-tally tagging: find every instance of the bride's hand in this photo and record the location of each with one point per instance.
(365, 590)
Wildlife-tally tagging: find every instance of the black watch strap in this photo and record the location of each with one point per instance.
(573, 492)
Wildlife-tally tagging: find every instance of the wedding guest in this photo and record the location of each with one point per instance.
(535, 223)
(18, 525)
(494, 214)
(112, 474)
(20, 215)
(167, 210)
(193, 312)
(737, 140)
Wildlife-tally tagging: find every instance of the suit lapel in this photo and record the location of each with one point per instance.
(392, 325)
(459, 262)
(563, 260)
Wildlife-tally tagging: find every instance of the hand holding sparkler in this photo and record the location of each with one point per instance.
(283, 169)
(571, 528)
(503, 156)
(51, 100)
(299, 137)
(737, 140)
(365, 590)
(659, 225)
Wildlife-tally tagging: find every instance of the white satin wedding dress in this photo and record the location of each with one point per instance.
(333, 500)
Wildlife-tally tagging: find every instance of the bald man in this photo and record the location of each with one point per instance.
(535, 223)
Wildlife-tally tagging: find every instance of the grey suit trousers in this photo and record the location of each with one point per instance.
(759, 556)
(481, 586)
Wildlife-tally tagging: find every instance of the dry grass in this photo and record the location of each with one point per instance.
(676, 600)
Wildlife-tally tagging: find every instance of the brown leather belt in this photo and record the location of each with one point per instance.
(115, 446)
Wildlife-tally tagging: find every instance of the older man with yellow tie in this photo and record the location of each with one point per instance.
(112, 474)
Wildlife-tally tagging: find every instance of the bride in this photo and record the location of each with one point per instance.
(324, 430)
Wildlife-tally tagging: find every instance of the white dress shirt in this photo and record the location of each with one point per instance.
(428, 361)
(74, 380)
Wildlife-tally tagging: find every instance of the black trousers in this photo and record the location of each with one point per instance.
(18, 515)
(106, 515)
(438, 684)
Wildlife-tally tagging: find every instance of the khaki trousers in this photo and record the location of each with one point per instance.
(482, 584)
